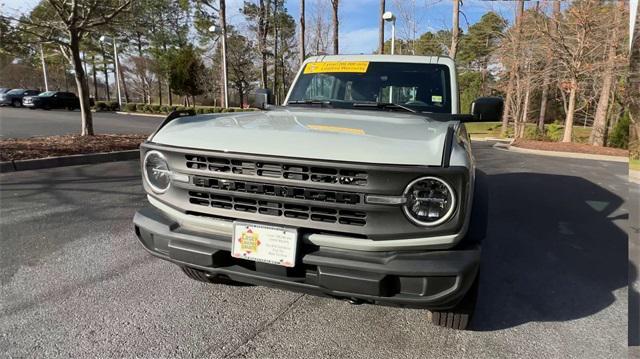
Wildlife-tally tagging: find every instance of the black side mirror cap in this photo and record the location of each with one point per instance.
(263, 98)
(487, 109)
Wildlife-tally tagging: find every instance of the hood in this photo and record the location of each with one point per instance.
(379, 137)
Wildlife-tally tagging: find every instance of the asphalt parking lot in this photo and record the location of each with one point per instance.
(74, 282)
(23, 122)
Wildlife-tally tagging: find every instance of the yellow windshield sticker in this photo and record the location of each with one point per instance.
(359, 67)
(436, 98)
(353, 131)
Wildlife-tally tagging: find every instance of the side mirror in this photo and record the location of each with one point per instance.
(487, 109)
(262, 99)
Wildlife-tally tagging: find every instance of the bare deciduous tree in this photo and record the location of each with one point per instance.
(302, 34)
(455, 30)
(598, 131)
(334, 5)
(381, 28)
(66, 23)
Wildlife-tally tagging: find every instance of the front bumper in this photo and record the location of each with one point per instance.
(423, 279)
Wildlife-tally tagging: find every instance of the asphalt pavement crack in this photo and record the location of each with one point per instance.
(263, 327)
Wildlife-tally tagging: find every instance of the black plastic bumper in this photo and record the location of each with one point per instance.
(433, 279)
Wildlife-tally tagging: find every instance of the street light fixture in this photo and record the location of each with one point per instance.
(390, 17)
(220, 31)
(107, 39)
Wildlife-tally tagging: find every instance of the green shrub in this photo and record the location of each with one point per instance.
(130, 107)
(217, 109)
(199, 110)
(114, 106)
(533, 133)
(555, 131)
(165, 109)
(101, 106)
(619, 136)
(155, 108)
(180, 108)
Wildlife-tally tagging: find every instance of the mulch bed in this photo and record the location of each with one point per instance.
(52, 146)
(570, 147)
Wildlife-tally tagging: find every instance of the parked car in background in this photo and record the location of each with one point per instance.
(4, 90)
(15, 96)
(54, 99)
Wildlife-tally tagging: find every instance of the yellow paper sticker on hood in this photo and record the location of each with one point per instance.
(353, 131)
(336, 66)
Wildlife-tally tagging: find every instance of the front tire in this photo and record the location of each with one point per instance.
(16, 103)
(460, 316)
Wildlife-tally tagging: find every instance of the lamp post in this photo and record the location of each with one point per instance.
(390, 17)
(220, 31)
(44, 69)
(107, 39)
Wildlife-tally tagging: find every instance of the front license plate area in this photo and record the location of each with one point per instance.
(263, 243)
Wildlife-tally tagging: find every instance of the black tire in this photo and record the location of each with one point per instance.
(16, 103)
(459, 317)
(202, 276)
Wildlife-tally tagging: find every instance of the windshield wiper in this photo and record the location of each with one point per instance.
(310, 102)
(384, 105)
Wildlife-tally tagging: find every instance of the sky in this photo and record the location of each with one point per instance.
(359, 18)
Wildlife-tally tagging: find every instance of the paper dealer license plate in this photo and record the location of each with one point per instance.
(268, 244)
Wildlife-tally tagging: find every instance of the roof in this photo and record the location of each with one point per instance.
(445, 60)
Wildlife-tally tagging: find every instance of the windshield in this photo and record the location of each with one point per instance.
(47, 94)
(421, 87)
(16, 91)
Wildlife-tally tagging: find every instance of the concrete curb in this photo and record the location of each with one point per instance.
(73, 160)
(492, 139)
(634, 176)
(584, 156)
(140, 114)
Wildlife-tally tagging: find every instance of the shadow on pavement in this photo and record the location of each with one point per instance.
(552, 252)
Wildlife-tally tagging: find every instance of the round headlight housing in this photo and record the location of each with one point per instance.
(430, 201)
(156, 171)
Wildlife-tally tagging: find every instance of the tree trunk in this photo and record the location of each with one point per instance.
(301, 42)
(106, 72)
(568, 122)
(141, 75)
(598, 132)
(381, 28)
(525, 111)
(275, 51)
(547, 73)
(81, 83)
(160, 89)
(225, 70)
(512, 71)
(122, 81)
(336, 47)
(455, 30)
(95, 77)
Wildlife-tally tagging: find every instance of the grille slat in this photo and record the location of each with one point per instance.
(278, 190)
(278, 170)
(278, 209)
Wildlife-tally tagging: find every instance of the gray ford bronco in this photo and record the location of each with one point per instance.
(361, 186)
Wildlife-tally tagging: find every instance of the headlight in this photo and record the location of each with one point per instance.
(156, 171)
(430, 201)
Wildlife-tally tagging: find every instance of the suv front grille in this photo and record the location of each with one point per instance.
(277, 170)
(278, 190)
(277, 208)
